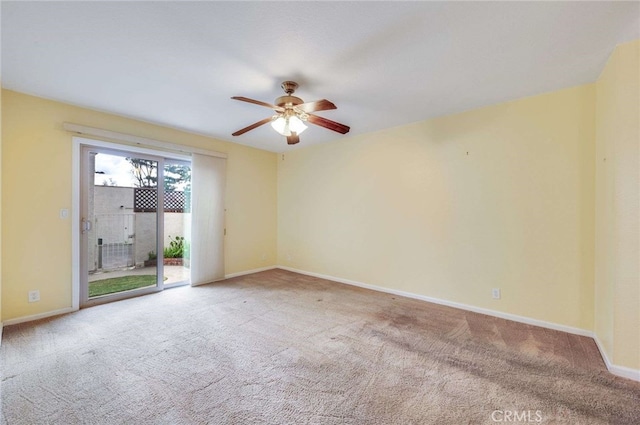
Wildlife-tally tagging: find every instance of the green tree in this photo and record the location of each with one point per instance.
(177, 177)
(145, 172)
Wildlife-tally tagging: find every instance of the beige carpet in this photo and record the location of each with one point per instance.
(281, 348)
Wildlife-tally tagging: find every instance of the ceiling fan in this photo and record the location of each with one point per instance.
(291, 114)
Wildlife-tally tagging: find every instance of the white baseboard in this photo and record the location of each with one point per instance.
(71, 309)
(467, 307)
(622, 371)
(261, 269)
(38, 316)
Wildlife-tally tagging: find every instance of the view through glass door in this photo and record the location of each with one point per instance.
(130, 246)
(176, 221)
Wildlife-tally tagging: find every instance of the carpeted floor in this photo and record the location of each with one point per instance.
(281, 348)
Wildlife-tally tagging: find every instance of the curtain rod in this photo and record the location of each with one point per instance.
(136, 140)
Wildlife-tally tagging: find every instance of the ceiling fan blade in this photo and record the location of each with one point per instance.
(331, 125)
(318, 105)
(252, 126)
(258, 102)
(293, 139)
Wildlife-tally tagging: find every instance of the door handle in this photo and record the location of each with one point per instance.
(85, 226)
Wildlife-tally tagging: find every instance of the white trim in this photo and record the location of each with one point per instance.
(623, 371)
(488, 312)
(261, 269)
(75, 308)
(75, 226)
(136, 140)
(39, 316)
(119, 147)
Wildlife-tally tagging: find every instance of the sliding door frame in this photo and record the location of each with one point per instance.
(79, 244)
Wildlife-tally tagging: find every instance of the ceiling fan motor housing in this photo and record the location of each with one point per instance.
(291, 100)
(289, 87)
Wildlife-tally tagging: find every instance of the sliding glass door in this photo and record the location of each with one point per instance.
(134, 210)
(177, 222)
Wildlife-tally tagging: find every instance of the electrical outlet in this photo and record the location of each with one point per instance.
(495, 293)
(34, 296)
(264, 256)
(64, 213)
(289, 256)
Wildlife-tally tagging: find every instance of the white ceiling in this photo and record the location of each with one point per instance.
(382, 63)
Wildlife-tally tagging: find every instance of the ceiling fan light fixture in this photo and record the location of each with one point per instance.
(291, 115)
(286, 126)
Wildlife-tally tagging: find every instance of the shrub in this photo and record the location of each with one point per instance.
(177, 248)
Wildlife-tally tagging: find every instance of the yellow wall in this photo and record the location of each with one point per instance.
(0, 213)
(617, 277)
(498, 197)
(36, 183)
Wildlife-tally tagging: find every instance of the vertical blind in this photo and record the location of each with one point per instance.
(207, 218)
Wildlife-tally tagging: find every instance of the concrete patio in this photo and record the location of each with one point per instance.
(172, 274)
